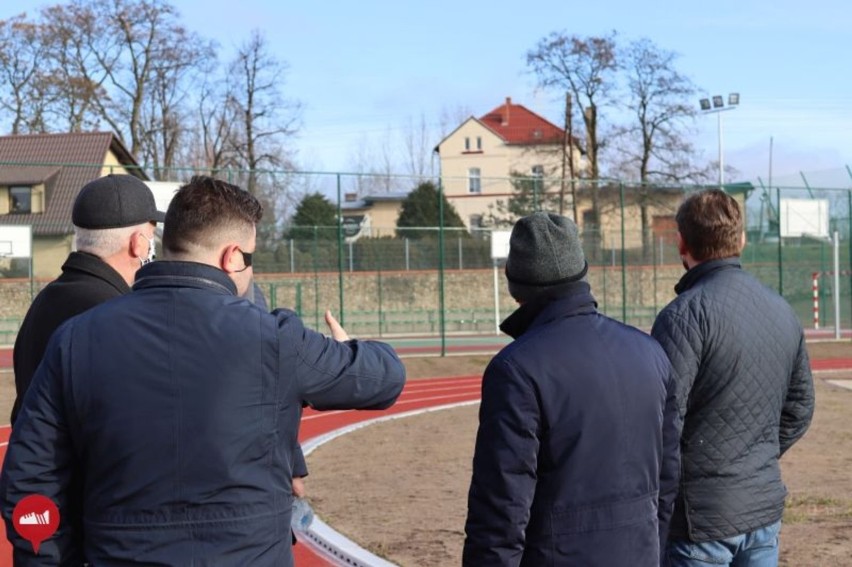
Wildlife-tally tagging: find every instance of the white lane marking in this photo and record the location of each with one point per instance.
(399, 403)
(324, 536)
(444, 388)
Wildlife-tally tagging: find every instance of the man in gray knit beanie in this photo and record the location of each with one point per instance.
(544, 253)
(577, 456)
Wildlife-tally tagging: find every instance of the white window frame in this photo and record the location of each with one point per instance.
(474, 180)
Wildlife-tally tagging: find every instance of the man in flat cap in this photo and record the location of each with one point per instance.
(576, 459)
(114, 219)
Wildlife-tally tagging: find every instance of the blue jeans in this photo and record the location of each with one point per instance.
(755, 549)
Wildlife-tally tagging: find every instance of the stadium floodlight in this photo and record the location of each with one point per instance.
(718, 106)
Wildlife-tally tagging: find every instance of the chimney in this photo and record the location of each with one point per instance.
(506, 114)
(350, 197)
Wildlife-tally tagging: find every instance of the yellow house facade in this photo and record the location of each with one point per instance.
(40, 176)
(371, 216)
(479, 157)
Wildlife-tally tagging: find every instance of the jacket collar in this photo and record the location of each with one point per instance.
(703, 270)
(167, 273)
(86, 263)
(571, 299)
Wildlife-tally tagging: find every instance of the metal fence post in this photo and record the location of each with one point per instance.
(316, 282)
(407, 256)
(849, 242)
(780, 255)
(623, 260)
(441, 306)
(340, 255)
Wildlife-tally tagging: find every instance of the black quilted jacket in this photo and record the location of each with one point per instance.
(745, 392)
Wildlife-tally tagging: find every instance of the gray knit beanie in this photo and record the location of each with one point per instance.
(544, 251)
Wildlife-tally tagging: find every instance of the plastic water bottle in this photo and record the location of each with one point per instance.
(302, 515)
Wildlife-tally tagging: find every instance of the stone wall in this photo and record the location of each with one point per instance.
(408, 301)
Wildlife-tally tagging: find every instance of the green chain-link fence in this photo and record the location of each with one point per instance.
(381, 281)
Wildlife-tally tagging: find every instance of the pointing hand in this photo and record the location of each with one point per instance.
(337, 332)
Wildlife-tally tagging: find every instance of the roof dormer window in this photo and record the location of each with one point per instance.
(20, 199)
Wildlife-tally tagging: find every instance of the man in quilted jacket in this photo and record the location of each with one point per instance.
(745, 393)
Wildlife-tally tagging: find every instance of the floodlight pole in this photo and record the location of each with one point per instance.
(718, 108)
(721, 153)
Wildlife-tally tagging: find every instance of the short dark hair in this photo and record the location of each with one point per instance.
(711, 225)
(203, 209)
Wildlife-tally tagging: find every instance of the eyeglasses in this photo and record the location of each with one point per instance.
(246, 260)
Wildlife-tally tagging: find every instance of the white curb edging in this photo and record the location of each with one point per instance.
(323, 537)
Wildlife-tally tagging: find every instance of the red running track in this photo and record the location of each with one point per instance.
(417, 394)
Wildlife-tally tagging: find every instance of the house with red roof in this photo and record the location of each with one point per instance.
(479, 157)
(40, 176)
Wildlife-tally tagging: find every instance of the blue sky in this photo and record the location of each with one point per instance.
(364, 69)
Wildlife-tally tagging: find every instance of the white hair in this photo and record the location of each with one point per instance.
(104, 242)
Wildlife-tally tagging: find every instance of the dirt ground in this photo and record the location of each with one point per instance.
(406, 480)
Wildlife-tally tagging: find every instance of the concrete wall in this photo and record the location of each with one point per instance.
(408, 301)
(402, 290)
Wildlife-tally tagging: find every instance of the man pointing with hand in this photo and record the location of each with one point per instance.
(179, 404)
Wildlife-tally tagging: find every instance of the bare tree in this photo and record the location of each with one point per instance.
(21, 56)
(585, 68)
(660, 101)
(130, 65)
(216, 126)
(655, 144)
(418, 140)
(373, 166)
(450, 118)
(266, 118)
(81, 51)
(166, 117)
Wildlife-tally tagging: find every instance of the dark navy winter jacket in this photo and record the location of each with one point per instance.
(576, 457)
(179, 404)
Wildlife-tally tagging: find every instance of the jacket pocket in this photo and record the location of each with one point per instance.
(606, 516)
